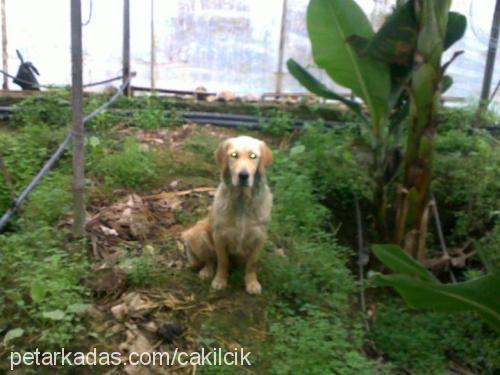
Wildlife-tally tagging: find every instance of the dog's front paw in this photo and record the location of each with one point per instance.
(205, 273)
(219, 284)
(254, 287)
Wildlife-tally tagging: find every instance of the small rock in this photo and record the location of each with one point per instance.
(108, 231)
(174, 184)
(151, 327)
(169, 331)
(119, 311)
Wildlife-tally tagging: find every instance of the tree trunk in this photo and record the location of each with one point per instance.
(425, 95)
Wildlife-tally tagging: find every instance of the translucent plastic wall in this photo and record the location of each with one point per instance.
(219, 44)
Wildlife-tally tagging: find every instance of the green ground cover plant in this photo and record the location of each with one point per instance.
(312, 318)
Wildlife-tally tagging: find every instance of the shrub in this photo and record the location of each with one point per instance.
(278, 123)
(128, 167)
(152, 116)
(50, 108)
(462, 161)
(336, 161)
(104, 120)
(311, 326)
(139, 269)
(24, 152)
(488, 248)
(291, 185)
(49, 200)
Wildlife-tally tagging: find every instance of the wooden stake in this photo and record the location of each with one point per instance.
(126, 45)
(77, 117)
(281, 51)
(5, 55)
(153, 47)
(489, 66)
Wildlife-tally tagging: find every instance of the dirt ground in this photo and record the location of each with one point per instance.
(173, 309)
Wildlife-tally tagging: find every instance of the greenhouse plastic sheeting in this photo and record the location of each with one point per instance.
(218, 44)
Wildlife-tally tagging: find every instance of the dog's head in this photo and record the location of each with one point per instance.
(243, 158)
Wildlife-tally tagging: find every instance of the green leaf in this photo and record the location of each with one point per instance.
(396, 40)
(318, 88)
(38, 292)
(455, 29)
(54, 315)
(13, 334)
(398, 261)
(446, 83)
(479, 295)
(78, 308)
(94, 141)
(296, 150)
(330, 23)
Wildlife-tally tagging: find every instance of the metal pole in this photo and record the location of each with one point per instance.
(126, 45)
(492, 52)
(153, 54)
(281, 53)
(77, 117)
(5, 55)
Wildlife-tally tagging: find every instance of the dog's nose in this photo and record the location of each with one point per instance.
(243, 176)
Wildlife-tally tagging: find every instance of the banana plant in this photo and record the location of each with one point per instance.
(377, 68)
(434, 20)
(421, 290)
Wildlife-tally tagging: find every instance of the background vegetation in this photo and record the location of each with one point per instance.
(311, 293)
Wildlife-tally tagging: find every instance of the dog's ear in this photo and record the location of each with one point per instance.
(266, 157)
(221, 155)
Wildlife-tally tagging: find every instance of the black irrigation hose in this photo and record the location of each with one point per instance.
(213, 118)
(55, 156)
(58, 86)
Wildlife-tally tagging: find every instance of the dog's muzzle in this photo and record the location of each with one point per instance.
(243, 177)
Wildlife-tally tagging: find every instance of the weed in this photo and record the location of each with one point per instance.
(463, 159)
(51, 108)
(152, 115)
(423, 342)
(278, 123)
(139, 270)
(46, 295)
(489, 248)
(128, 167)
(104, 120)
(310, 323)
(24, 152)
(48, 201)
(317, 343)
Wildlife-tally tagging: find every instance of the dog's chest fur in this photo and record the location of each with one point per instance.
(240, 217)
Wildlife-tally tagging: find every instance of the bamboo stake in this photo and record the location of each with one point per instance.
(77, 117)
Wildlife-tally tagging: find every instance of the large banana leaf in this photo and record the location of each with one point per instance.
(330, 23)
(455, 29)
(318, 88)
(481, 295)
(396, 40)
(421, 290)
(398, 261)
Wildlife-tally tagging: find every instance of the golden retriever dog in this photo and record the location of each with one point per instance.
(237, 222)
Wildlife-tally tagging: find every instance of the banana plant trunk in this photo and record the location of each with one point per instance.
(425, 95)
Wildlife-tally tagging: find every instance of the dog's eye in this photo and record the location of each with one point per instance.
(234, 155)
(253, 155)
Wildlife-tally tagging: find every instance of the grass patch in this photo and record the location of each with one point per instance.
(42, 295)
(129, 167)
